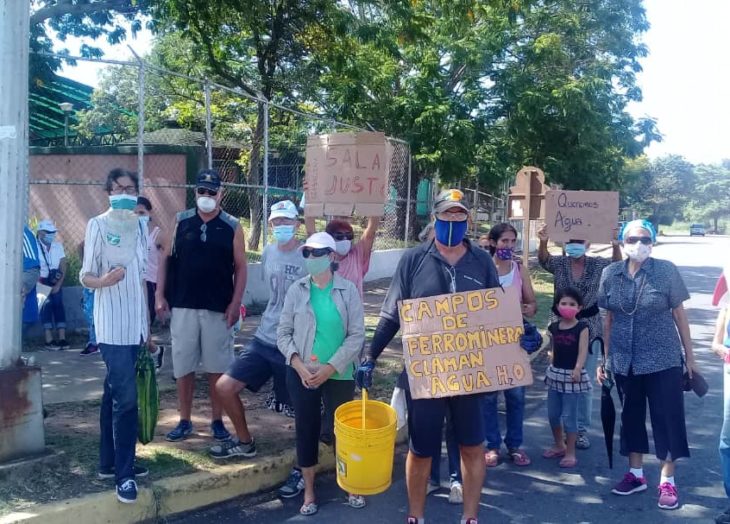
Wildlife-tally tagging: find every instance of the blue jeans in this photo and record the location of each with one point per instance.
(563, 410)
(52, 312)
(87, 302)
(515, 403)
(585, 403)
(452, 452)
(725, 433)
(118, 416)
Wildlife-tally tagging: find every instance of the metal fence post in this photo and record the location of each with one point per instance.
(140, 127)
(265, 225)
(208, 125)
(408, 201)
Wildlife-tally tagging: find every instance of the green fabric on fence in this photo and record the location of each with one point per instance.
(148, 396)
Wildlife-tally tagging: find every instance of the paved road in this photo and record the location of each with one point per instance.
(542, 493)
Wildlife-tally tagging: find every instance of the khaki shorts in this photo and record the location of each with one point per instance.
(200, 336)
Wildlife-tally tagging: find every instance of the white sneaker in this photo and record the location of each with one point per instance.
(456, 493)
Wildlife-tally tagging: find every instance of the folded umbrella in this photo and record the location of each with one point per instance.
(608, 410)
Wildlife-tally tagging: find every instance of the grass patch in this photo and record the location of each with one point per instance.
(542, 283)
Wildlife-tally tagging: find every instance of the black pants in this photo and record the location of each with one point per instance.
(151, 289)
(307, 414)
(663, 390)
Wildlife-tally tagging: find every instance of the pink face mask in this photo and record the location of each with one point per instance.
(568, 312)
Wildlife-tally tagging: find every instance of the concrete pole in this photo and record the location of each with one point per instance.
(14, 37)
(265, 211)
(208, 125)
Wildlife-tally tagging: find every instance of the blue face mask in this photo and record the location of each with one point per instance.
(317, 265)
(126, 202)
(49, 238)
(450, 233)
(145, 219)
(575, 250)
(283, 234)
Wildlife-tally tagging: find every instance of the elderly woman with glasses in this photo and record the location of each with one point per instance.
(646, 328)
(321, 331)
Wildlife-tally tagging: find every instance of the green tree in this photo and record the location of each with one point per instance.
(710, 198)
(667, 189)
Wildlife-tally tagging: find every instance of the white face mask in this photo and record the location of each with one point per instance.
(637, 252)
(342, 247)
(206, 204)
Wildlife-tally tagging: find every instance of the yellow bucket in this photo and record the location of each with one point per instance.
(365, 456)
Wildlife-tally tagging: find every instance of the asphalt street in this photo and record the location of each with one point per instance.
(542, 492)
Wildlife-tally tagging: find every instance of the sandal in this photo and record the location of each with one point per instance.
(551, 453)
(356, 501)
(308, 509)
(568, 462)
(492, 458)
(519, 457)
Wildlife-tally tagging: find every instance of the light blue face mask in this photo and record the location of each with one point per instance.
(575, 250)
(126, 202)
(317, 265)
(284, 233)
(49, 238)
(145, 219)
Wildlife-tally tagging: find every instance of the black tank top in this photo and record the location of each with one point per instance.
(566, 344)
(204, 263)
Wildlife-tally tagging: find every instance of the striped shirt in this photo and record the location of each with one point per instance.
(30, 250)
(120, 311)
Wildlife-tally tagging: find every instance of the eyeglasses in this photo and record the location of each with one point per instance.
(317, 252)
(633, 240)
(203, 236)
(206, 191)
(343, 235)
(127, 190)
(452, 216)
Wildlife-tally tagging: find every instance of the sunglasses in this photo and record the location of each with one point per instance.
(633, 240)
(316, 253)
(342, 235)
(205, 191)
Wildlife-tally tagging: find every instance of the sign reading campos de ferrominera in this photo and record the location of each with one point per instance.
(346, 172)
(464, 343)
(581, 215)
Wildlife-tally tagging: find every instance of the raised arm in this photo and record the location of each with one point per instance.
(543, 256)
(368, 236)
(529, 301)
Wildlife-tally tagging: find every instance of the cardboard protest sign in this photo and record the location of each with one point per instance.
(346, 173)
(581, 215)
(464, 343)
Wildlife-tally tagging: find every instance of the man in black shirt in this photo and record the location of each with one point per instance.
(202, 280)
(447, 264)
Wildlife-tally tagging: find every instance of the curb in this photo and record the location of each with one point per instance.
(170, 496)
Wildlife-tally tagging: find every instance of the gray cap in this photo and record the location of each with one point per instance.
(449, 198)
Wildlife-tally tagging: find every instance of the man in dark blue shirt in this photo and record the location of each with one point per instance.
(447, 264)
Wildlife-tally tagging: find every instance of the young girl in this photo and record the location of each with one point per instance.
(566, 379)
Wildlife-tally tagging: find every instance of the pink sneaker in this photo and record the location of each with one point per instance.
(668, 496)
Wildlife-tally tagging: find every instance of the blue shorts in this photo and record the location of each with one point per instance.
(426, 422)
(257, 364)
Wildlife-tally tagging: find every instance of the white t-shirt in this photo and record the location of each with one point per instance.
(50, 256)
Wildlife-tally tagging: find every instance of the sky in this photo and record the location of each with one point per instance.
(685, 78)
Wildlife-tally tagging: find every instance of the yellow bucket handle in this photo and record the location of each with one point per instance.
(364, 403)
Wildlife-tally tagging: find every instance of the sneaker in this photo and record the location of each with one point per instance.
(233, 448)
(139, 471)
(183, 429)
(90, 349)
(432, 487)
(127, 492)
(471, 521)
(582, 442)
(270, 402)
(668, 496)
(289, 410)
(293, 486)
(160, 356)
(723, 518)
(411, 520)
(629, 485)
(63, 345)
(51, 346)
(456, 493)
(219, 431)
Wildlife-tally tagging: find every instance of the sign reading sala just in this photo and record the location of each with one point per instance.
(464, 343)
(346, 173)
(581, 215)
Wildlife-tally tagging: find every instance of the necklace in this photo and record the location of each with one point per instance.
(638, 297)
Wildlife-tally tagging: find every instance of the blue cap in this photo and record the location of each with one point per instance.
(209, 179)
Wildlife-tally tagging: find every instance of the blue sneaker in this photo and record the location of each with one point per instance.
(181, 432)
(220, 433)
(127, 492)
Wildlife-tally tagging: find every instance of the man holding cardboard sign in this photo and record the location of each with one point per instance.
(436, 276)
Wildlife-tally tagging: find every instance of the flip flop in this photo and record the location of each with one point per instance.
(492, 458)
(568, 463)
(551, 453)
(356, 501)
(519, 457)
(308, 509)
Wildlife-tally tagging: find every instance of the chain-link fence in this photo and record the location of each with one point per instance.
(167, 126)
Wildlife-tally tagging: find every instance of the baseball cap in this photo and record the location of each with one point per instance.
(209, 179)
(284, 209)
(320, 241)
(47, 225)
(449, 198)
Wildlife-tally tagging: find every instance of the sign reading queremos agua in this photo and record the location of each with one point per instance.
(464, 343)
(581, 215)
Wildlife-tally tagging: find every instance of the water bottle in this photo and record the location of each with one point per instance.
(314, 365)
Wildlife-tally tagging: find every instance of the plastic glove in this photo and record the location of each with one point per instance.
(531, 339)
(364, 374)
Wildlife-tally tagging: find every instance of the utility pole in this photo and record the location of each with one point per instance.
(21, 418)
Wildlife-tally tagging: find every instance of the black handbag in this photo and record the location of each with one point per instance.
(54, 275)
